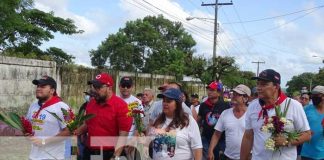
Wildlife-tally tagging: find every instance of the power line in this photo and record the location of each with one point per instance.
(274, 28)
(192, 30)
(258, 63)
(274, 17)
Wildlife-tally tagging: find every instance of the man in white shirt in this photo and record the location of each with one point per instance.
(147, 100)
(270, 95)
(47, 141)
(126, 87)
(232, 122)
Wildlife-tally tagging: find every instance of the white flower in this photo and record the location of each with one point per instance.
(270, 126)
(283, 120)
(270, 144)
(270, 120)
(288, 122)
(264, 129)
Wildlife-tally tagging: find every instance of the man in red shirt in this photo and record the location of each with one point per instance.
(110, 120)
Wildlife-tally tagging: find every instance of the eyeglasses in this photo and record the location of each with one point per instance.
(237, 94)
(304, 98)
(98, 87)
(126, 86)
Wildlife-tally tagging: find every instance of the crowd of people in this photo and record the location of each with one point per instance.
(177, 126)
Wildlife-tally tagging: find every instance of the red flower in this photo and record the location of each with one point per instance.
(71, 114)
(136, 111)
(27, 126)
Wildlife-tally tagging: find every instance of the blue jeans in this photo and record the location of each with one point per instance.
(219, 147)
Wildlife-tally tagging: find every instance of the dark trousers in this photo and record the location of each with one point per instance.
(106, 154)
(220, 147)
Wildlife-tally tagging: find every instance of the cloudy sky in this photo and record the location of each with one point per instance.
(284, 34)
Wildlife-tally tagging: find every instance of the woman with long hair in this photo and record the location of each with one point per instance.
(175, 133)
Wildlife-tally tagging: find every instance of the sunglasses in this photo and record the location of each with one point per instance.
(126, 86)
(237, 94)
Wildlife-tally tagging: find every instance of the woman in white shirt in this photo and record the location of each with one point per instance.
(175, 130)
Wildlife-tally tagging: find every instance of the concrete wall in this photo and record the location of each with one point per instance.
(16, 75)
(17, 91)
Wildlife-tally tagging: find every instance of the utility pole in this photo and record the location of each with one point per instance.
(258, 62)
(216, 4)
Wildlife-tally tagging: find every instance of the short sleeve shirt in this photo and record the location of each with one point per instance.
(299, 123)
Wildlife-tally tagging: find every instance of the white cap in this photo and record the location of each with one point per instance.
(242, 89)
(318, 90)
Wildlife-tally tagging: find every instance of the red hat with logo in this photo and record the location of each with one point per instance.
(215, 86)
(102, 79)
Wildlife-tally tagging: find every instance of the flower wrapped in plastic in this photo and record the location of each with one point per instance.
(18, 122)
(71, 120)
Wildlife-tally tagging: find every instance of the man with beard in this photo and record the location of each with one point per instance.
(315, 115)
(110, 120)
(232, 122)
(47, 141)
(208, 115)
(271, 96)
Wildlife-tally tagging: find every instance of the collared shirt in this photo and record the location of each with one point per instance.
(148, 109)
(110, 118)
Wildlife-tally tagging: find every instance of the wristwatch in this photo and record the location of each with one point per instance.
(43, 141)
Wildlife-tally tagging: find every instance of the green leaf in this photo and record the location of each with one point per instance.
(65, 112)
(86, 117)
(16, 119)
(80, 115)
(56, 116)
(7, 120)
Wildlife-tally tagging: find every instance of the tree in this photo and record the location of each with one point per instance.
(221, 66)
(23, 28)
(302, 80)
(237, 77)
(152, 45)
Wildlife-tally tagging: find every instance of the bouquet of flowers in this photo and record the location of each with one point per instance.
(72, 121)
(18, 122)
(276, 126)
(135, 112)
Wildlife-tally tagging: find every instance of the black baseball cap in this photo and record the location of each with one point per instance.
(45, 80)
(126, 81)
(268, 75)
(195, 95)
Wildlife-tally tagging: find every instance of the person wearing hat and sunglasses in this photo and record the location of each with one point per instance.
(315, 115)
(47, 141)
(110, 119)
(232, 122)
(270, 96)
(126, 87)
(208, 115)
(175, 133)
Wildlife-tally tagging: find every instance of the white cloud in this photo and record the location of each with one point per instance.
(60, 8)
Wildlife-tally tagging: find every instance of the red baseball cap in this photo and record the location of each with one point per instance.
(215, 86)
(102, 79)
